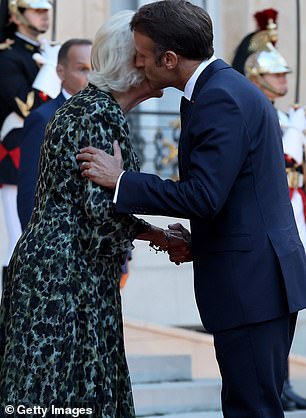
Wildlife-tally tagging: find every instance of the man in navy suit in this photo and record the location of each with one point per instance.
(249, 263)
(73, 67)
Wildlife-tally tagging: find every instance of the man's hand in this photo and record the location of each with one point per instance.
(179, 251)
(100, 167)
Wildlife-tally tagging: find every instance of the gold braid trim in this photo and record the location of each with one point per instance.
(25, 107)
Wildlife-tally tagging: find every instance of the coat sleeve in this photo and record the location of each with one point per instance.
(118, 229)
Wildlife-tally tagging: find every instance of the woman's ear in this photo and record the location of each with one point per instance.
(170, 60)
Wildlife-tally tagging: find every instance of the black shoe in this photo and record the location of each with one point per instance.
(289, 394)
(288, 404)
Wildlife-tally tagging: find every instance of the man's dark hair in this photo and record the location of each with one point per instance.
(176, 25)
(64, 49)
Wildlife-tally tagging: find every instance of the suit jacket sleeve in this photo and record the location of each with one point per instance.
(217, 143)
(33, 134)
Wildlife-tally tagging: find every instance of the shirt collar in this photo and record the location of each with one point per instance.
(66, 94)
(188, 90)
(25, 38)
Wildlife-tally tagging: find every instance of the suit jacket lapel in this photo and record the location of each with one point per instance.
(187, 106)
(185, 109)
(60, 99)
(205, 76)
(184, 104)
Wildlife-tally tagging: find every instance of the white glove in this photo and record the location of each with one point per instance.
(47, 79)
(293, 137)
(297, 119)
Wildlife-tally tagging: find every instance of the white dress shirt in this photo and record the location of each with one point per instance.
(66, 94)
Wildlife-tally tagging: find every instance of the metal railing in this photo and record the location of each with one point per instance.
(155, 138)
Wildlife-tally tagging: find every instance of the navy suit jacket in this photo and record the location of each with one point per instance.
(249, 263)
(33, 135)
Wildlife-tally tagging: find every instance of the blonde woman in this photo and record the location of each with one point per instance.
(61, 323)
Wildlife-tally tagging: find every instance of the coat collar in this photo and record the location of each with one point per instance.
(24, 44)
(60, 99)
(206, 74)
(202, 79)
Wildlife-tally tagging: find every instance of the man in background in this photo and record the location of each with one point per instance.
(72, 68)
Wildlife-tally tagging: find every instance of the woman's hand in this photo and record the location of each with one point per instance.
(176, 241)
(180, 253)
(158, 238)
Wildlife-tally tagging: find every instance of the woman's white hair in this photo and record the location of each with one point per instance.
(113, 55)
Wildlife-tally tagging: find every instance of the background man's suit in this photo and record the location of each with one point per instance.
(33, 135)
(249, 263)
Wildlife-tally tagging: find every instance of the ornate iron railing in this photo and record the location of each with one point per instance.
(155, 137)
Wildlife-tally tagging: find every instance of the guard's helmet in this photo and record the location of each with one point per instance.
(14, 5)
(266, 60)
(9, 7)
(266, 21)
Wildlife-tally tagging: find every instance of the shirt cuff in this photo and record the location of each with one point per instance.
(117, 188)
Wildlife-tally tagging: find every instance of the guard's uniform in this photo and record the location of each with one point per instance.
(19, 72)
(17, 99)
(294, 141)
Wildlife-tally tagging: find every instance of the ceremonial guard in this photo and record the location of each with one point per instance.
(258, 59)
(27, 79)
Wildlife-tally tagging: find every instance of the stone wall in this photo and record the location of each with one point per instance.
(80, 18)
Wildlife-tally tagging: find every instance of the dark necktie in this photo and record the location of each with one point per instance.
(184, 104)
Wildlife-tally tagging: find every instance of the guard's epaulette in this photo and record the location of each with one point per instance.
(6, 44)
(29, 47)
(25, 107)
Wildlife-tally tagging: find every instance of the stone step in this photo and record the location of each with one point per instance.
(218, 414)
(177, 397)
(209, 414)
(159, 368)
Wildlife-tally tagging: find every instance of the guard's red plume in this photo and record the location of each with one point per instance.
(263, 17)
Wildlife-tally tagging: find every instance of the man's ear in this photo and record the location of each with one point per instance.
(170, 60)
(60, 71)
(255, 81)
(14, 19)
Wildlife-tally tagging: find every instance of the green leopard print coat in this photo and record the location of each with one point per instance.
(61, 338)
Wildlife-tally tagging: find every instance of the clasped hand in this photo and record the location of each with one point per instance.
(179, 246)
(176, 241)
(104, 169)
